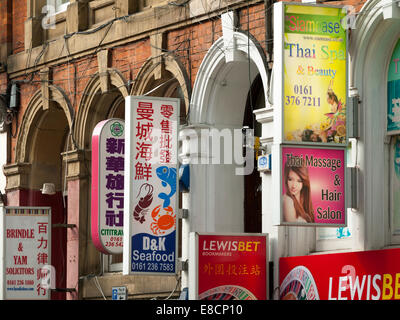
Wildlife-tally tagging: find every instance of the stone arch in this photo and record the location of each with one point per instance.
(173, 75)
(96, 98)
(373, 39)
(218, 102)
(37, 107)
(214, 73)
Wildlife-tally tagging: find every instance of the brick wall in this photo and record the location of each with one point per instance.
(19, 11)
(189, 44)
(5, 21)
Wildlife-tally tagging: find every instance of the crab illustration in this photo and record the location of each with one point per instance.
(163, 220)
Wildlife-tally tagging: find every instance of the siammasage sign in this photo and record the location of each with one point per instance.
(311, 44)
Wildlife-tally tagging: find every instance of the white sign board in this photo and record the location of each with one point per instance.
(151, 184)
(118, 293)
(26, 252)
(108, 152)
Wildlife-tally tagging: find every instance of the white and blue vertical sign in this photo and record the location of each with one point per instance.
(151, 180)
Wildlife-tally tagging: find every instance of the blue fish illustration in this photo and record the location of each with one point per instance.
(167, 177)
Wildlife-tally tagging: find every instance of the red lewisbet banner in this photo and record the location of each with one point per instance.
(232, 267)
(365, 275)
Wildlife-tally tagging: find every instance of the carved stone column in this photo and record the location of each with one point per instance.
(77, 185)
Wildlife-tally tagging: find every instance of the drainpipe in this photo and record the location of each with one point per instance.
(269, 44)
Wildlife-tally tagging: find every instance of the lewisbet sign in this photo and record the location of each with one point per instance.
(229, 266)
(365, 275)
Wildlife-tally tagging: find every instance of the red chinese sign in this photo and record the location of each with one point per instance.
(232, 267)
(26, 238)
(365, 275)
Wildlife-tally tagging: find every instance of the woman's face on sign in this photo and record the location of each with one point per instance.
(295, 184)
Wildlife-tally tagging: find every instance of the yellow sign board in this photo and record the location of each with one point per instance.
(314, 74)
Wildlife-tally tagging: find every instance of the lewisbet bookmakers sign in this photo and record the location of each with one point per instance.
(228, 266)
(364, 275)
(311, 71)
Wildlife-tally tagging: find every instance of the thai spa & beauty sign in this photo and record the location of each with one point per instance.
(311, 77)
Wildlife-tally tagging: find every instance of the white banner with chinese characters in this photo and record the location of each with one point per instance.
(26, 252)
(151, 185)
(108, 148)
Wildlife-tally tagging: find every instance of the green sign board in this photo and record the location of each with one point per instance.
(393, 92)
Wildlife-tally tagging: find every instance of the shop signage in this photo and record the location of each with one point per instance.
(312, 186)
(230, 266)
(393, 92)
(310, 87)
(26, 252)
(118, 293)
(151, 184)
(366, 275)
(395, 183)
(108, 149)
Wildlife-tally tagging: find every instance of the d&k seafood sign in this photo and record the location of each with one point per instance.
(108, 148)
(151, 199)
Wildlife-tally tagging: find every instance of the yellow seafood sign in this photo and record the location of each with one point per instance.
(314, 74)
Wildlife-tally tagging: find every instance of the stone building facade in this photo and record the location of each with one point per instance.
(74, 62)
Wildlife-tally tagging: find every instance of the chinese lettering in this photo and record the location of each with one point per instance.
(114, 198)
(144, 146)
(42, 257)
(166, 130)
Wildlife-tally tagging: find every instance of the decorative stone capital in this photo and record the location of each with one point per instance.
(78, 163)
(17, 176)
(265, 116)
